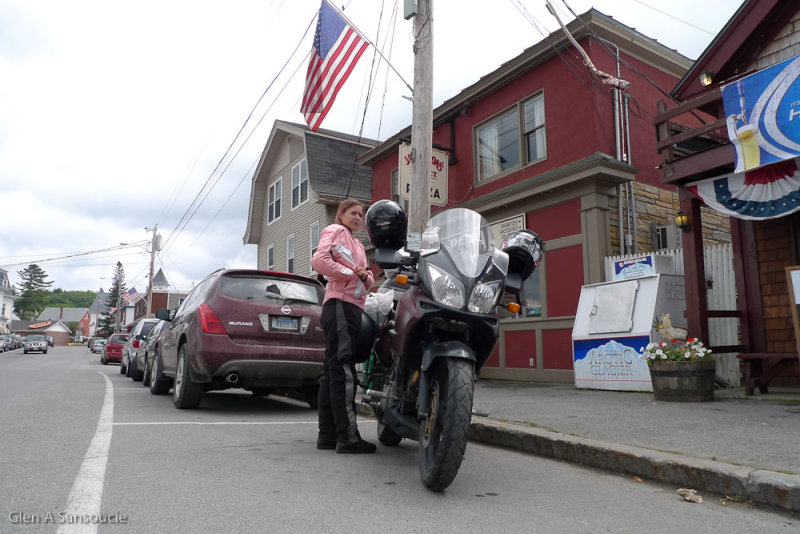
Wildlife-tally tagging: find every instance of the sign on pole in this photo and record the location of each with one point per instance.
(438, 174)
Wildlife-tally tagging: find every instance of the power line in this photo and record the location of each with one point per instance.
(70, 255)
(189, 210)
(675, 18)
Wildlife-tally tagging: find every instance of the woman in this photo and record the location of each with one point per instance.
(340, 257)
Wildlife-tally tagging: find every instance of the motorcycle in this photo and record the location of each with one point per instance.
(441, 330)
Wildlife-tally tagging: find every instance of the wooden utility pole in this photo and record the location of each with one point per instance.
(421, 119)
(148, 312)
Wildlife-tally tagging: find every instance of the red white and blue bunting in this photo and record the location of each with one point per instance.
(765, 193)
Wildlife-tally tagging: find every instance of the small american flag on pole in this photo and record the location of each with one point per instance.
(131, 295)
(337, 49)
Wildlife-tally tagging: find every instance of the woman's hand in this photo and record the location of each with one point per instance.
(362, 274)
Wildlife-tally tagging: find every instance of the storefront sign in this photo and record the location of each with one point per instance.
(506, 227)
(439, 164)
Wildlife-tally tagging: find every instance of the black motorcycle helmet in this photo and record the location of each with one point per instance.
(387, 225)
(524, 249)
(366, 339)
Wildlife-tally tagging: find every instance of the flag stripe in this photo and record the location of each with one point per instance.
(329, 101)
(337, 49)
(341, 70)
(328, 69)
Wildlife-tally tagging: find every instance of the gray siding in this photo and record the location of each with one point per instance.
(292, 221)
(786, 45)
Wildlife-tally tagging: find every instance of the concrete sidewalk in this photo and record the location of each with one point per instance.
(734, 446)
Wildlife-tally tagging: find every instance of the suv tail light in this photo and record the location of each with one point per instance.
(209, 320)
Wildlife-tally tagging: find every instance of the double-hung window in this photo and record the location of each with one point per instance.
(299, 183)
(274, 201)
(270, 257)
(290, 254)
(511, 140)
(314, 236)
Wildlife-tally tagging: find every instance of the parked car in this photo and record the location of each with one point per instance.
(144, 354)
(112, 351)
(135, 339)
(6, 342)
(242, 328)
(89, 343)
(50, 341)
(35, 343)
(98, 344)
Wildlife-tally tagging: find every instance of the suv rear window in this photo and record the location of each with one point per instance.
(118, 338)
(270, 290)
(147, 326)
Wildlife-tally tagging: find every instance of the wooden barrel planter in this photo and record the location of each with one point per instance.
(687, 381)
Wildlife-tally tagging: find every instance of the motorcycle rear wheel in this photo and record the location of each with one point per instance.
(443, 435)
(386, 435)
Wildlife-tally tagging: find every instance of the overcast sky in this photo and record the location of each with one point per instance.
(116, 117)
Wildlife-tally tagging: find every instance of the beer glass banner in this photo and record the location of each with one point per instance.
(762, 112)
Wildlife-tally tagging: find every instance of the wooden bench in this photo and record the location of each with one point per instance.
(758, 372)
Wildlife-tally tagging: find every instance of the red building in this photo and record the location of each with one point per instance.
(542, 143)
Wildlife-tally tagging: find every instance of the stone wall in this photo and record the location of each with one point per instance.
(659, 205)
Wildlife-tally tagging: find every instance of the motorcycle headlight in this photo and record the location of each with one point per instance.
(446, 289)
(484, 297)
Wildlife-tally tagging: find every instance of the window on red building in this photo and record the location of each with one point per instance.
(500, 145)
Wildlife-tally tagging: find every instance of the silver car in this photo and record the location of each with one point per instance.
(35, 343)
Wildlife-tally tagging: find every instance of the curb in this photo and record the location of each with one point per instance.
(758, 485)
(766, 487)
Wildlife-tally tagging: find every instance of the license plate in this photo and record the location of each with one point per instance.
(288, 324)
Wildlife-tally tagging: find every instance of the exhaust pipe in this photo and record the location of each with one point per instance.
(232, 378)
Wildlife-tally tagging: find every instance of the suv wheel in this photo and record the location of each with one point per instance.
(186, 394)
(159, 384)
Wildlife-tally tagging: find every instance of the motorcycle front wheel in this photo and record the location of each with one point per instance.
(443, 435)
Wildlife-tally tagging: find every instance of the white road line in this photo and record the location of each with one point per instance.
(145, 423)
(87, 490)
(148, 423)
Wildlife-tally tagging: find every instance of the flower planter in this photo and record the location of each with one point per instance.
(683, 381)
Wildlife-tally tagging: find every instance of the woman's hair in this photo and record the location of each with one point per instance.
(345, 205)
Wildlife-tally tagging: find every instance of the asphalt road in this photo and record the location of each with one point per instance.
(80, 439)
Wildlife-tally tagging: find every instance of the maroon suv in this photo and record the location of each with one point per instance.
(112, 352)
(257, 330)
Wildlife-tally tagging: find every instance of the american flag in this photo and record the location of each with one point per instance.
(337, 49)
(131, 295)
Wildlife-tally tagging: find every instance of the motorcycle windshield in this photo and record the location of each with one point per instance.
(464, 235)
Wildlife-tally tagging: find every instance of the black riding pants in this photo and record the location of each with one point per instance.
(341, 322)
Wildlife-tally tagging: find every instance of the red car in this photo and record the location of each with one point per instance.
(242, 328)
(112, 352)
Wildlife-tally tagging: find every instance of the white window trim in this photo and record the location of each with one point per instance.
(311, 241)
(517, 107)
(270, 251)
(293, 257)
(299, 186)
(279, 197)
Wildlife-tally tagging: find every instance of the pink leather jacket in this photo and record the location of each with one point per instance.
(337, 258)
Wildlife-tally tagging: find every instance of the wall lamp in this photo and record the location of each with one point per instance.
(706, 78)
(682, 222)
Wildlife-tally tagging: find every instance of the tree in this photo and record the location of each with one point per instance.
(107, 322)
(33, 292)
